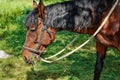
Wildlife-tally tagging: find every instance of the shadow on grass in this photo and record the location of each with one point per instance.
(76, 67)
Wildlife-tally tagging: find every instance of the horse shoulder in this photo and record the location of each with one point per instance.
(109, 35)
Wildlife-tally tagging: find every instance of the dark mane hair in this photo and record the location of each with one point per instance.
(32, 18)
(72, 14)
(76, 14)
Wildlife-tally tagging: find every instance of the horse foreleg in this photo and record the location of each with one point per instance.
(101, 52)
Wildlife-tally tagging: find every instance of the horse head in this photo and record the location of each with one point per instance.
(38, 36)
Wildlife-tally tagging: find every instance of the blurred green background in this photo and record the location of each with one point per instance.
(79, 66)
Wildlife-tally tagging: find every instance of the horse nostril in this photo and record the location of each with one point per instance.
(27, 62)
(25, 59)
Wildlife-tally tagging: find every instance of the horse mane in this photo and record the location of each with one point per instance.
(72, 14)
(56, 13)
(76, 14)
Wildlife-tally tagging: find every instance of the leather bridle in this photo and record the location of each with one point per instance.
(44, 28)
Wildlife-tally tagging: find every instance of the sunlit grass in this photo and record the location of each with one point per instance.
(79, 66)
(13, 68)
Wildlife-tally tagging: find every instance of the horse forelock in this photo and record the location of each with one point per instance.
(32, 18)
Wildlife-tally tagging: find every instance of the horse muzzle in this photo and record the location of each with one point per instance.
(30, 55)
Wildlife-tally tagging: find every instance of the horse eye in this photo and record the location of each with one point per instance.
(32, 29)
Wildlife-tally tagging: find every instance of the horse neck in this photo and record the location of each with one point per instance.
(67, 16)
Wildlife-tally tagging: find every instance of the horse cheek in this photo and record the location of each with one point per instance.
(46, 39)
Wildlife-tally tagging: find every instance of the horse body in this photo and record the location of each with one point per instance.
(110, 33)
(81, 16)
(79, 20)
(72, 19)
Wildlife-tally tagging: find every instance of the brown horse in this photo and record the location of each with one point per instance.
(81, 16)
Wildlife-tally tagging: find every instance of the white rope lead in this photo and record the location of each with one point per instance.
(71, 52)
(64, 48)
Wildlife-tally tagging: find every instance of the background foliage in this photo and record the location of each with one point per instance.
(79, 66)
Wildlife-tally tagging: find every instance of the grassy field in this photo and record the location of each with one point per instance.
(79, 66)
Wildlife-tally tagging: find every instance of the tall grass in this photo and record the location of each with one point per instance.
(10, 9)
(78, 66)
(12, 15)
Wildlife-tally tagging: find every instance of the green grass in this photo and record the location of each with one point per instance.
(79, 66)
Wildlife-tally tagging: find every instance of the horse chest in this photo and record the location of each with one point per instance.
(109, 40)
(110, 33)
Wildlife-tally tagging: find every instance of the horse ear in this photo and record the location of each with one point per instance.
(41, 8)
(40, 1)
(34, 4)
